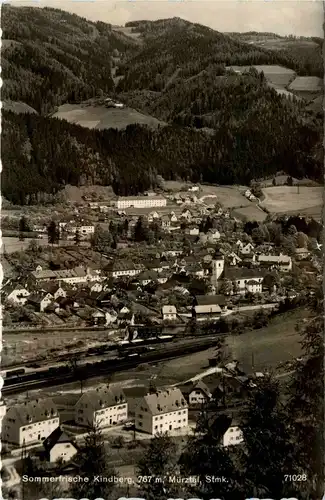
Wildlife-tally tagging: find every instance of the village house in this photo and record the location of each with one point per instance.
(240, 276)
(169, 313)
(153, 216)
(254, 286)
(186, 214)
(41, 275)
(165, 222)
(123, 268)
(162, 411)
(301, 253)
(146, 277)
(58, 446)
(246, 249)
(233, 259)
(101, 408)
(54, 289)
(208, 306)
(281, 262)
(124, 202)
(16, 294)
(40, 300)
(233, 435)
(30, 422)
(196, 393)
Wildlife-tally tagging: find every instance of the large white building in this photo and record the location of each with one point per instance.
(162, 411)
(30, 423)
(101, 408)
(140, 202)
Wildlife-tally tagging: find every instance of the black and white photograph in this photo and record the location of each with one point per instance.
(162, 299)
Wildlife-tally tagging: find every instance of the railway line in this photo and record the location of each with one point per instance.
(64, 374)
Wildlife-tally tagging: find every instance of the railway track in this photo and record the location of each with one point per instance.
(110, 366)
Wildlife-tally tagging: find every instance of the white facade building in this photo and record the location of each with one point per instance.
(169, 313)
(218, 265)
(58, 446)
(162, 411)
(232, 436)
(101, 408)
(30, 423)
(140, 202)
(18, 295)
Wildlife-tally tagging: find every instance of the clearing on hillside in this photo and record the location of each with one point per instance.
(100, 117)
(307, 83)
(277, 75)
(293, 199)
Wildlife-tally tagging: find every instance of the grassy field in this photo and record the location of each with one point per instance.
(306, 83)
(277, 75)
(100, 117)
(228, 196)
(290, 199)
(251, 213)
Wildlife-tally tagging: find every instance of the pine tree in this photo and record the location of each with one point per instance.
(92, 461)
(206, 456)
(268, 452)
(53, 233)
(159, 462)
(77, 237)
(306, 404)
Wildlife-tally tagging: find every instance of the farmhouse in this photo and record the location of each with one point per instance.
(101, 408)
(30, 423)
(162, 411)
(140, 202)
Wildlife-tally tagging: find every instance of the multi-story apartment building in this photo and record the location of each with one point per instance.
(140, 202)
(101, 408)
(30, 423)
(162, 411)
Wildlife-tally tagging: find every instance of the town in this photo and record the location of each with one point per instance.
(133, 280)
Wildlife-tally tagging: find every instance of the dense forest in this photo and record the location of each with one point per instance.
(50, 56)
(52, 152)
(222, 128)
(175, 45)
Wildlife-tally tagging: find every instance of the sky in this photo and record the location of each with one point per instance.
(297, 17)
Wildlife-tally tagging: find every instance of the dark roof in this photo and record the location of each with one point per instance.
(205, 300)
(34, 411)
(243, 273)
(57, 436)
(103, 398)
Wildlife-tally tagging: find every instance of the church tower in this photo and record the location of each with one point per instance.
(218, 265)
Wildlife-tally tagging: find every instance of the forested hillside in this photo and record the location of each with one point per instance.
(41, 155)
(172, 45)
(50, 56)
(223, 128)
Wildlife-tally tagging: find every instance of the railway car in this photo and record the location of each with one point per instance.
(14, 373)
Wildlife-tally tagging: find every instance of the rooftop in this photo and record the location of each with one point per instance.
(165, 401)
(34, 411)
(103, 398)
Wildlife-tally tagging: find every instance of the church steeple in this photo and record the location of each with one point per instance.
(218, 265)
